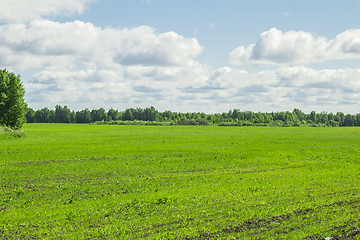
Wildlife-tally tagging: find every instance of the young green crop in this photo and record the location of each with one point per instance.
(189, 182)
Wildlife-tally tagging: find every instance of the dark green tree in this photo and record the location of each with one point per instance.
(128, 115)
(236, 114)
(300, 115)
(313, 116)
(150, 114)
(357, 119)
(62, 114)
(340, 117)
(98, 115)
(83, 116)
(30, 115)
(112, 114)
(44, 115)
(12, 103)
(348, 120)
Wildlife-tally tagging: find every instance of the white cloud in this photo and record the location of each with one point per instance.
(334, 79)
(346, 45)
(25, 10)
(143, 46)
(48, 44)
(130, 86)
(76, 87)
(284, 88)
(198, 89)
(297, 48)
(77, 63)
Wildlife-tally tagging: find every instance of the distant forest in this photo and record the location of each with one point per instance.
(151, 116)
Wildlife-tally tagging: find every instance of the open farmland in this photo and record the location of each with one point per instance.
(179, 182)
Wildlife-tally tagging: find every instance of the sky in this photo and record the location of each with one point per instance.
(186, 56)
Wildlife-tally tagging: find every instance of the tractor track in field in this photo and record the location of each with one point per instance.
(275, 221)
(58, 161)
(346, 232)
(181, 174)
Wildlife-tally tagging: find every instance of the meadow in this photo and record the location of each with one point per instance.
(64, 181)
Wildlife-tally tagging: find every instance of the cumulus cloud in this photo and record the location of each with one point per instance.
(78, 63)
(347, 44)
(345, 80)
(297, 48)
(119, 88)
(25, 10)
(76, 86)
(218, 90)
(284, 88)
(44, 43)
(142, 46)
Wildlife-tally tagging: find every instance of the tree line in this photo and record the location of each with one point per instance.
(14, 112)
(235, 117)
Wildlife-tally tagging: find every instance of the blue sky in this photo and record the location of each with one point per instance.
(208, 56)
(221, 26)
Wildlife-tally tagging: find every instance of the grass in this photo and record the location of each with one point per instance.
(179, 182)
(8, 132)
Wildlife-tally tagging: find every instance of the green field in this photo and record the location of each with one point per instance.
(179, 182)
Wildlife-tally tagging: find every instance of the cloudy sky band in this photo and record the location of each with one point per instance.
(79, 64)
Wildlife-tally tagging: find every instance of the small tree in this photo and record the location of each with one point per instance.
(12, 102)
